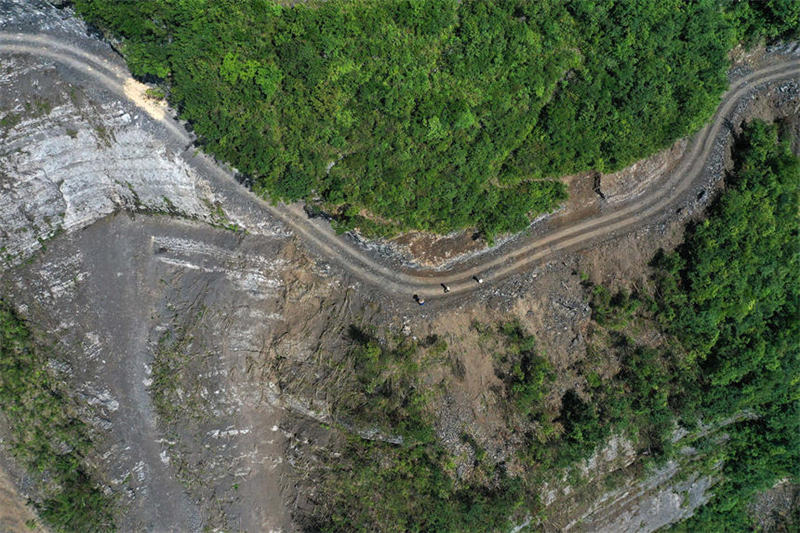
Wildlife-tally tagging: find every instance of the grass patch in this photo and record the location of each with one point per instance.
(175, 389)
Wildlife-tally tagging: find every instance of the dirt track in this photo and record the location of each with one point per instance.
(521, 254)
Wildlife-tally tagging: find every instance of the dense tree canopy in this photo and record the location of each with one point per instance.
(756, 19)
(441, 114)
(728, 301)
(731, 295)
(651, 72)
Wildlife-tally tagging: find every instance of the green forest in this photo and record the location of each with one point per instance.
(728, 302)
(435, 114)
(731, 297)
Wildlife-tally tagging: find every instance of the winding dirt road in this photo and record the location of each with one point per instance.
(521, 254)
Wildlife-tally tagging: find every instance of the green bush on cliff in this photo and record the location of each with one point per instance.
(731, 294)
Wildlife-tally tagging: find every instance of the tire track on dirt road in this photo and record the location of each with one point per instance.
(520, 255)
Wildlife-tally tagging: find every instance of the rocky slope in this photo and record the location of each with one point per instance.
(69, 158)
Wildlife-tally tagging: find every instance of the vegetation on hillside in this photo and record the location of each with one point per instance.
(731, 296)
(770, 19)
(435, 115)
(47, 436)
(726, 301)
(375, 481)
(377, 484)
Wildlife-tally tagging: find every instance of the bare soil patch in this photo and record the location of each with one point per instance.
(15, 514)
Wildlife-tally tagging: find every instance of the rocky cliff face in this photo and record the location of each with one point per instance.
(112, 245)
(161, 328)
(70, 157)
(115, 247)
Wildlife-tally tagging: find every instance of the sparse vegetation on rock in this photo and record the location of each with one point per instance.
(48, 436)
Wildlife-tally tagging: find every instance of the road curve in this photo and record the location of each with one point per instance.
(332, 247)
